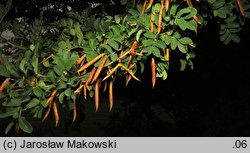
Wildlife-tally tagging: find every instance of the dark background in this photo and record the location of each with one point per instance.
(211, 100)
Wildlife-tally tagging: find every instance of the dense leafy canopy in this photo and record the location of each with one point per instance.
(50, 63)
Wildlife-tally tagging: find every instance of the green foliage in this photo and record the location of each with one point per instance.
(47, 68)
(230, 19)
(25, 125)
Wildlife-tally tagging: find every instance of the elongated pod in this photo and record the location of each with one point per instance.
(85, 66)
(153, 71)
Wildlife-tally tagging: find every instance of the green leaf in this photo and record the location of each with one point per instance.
(43, 86)
(190, 63)
(147, 42)
(103, 26)
(58, 58)
(34, 102)
(181, 23)
(25, 125)
(58, 70)
(11, 68)
(52, 77)
(13, 102)
(38, 91)
(109, 18)
(113, 56)
(147, 50)
(138, 35)
(90, 54)
(68, 92)
(167, 39)
(193, 12)
(160, 44)
(70, 62)
(72, 81)
(173, 9)
(190, 55)
(191, 25)
(222, 32)
(233, 25)
(72, 32)
(164, 75)
(182, 48)
(119, 38)
(97, 24)
(77, 27)
(4, 72)
(156, 8)
(39, 112)
(107, 47)
(227, 40)
(132, 32)
(9, 126)
(185, 40)
(15, 115)
(134, 12)
(62, 85)
(234, 30)
(218, 3)
(162, 70)
(92, 43)
(142, 66)
(231, 19)
(62, 45)
(223, 27)
(146, 20)
(174, 43)
(116, 29)
(91, 35)
(222, 12)
(80, 38)
(61, 97)
(235, 38)
(113, 44)
(91, 94)
(224, 36)
(34, 63)
(149, 35)
(183, 11)
(64, 78)
(9, 112)
(117, 19)
(183, 64)
(156, 52)
(73, 96)
(124, 19)
(22, 65)
(177, 35)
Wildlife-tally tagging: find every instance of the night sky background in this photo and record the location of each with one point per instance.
(211, 100)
